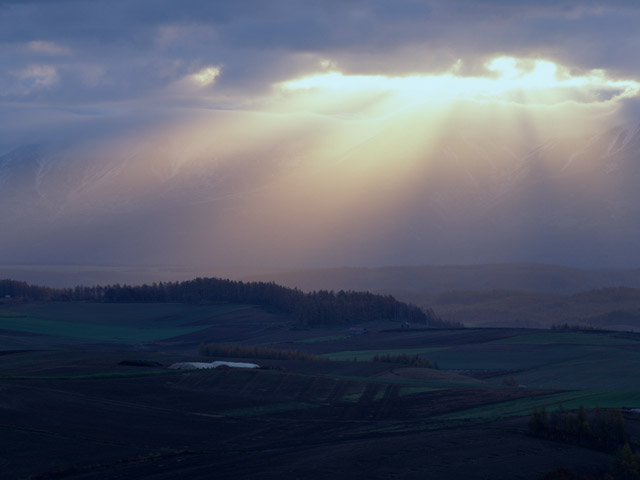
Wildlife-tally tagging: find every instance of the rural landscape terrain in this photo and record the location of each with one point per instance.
(309, 240)
(86, 388)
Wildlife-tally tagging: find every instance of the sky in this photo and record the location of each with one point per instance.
(343, 97)
(94, 56)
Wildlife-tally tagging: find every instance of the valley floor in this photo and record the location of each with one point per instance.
(70, 409)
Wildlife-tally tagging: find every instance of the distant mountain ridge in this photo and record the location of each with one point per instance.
(438, 279)
(498, 295)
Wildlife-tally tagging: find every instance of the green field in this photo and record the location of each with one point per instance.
(565, 338)
(74, 323)
(98, 379)
(609, 368)
(567, 400)
(139, 315)
(493, 357)
(367, 355)
(92, 330)
(584, 368)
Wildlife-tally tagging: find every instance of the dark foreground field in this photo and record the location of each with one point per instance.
(71, 410)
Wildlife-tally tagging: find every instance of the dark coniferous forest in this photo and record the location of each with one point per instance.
(315, 308)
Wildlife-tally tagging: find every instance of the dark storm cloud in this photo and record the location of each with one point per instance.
(123, 49)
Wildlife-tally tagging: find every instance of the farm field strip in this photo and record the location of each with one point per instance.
(11, 343)
(329, 338)
(354, 393)
(510, 408)
(549, 365)
(69, 394)
(588, 371)
(282, 407)
(568, 400)
(92, 331)
(94, 376)
(367, 355)
(148, 315)
(406, 391)
(89, 453)
(565, 338)
(501, 357)
(434, 384)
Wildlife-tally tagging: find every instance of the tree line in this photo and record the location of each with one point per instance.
(308, 309)
(253, 351)
(625, 466)
(598, 429)
(405, 359)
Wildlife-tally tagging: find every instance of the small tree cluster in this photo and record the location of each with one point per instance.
(19, 291)
(510, 381)
(626, 465)
(253, 351)
(404, 359)
(600, 429)
(567, 327)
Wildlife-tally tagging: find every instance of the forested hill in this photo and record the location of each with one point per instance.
(318, 307)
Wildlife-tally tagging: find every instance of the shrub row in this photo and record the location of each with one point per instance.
(404, 359)
(253, 351)
(598, 429)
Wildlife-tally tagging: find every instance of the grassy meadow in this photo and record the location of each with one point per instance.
(59, 324)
